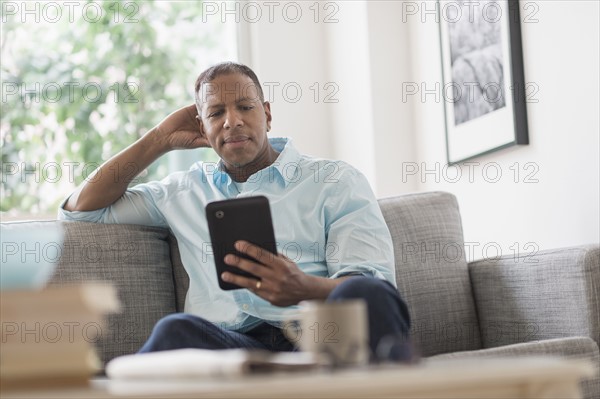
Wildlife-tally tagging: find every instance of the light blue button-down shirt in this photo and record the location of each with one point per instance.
(325, 217)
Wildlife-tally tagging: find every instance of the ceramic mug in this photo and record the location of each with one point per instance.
(336, 331)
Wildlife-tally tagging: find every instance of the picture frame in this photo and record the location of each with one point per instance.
(483, 78)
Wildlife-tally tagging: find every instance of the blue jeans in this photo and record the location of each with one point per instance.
(389, 322)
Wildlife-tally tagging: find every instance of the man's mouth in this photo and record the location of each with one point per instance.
(236, 140)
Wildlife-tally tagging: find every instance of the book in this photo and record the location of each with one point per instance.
(94, 298)
(50, 365)
(47, 334)
(205, 363)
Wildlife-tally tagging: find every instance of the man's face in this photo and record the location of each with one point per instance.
(234, 119)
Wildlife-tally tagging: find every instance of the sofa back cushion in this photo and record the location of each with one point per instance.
(431, 271)
(136, 259)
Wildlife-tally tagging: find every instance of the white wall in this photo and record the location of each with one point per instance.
(370, 52)
(287, 51)
(561, 58)
(349, 67)
(359, 48)
(394, 135)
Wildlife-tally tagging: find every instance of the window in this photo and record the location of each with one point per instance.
(82, 80)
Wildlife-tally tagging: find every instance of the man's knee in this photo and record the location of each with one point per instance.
(176, 323)
(382, 298)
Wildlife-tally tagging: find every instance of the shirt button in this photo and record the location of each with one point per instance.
(245, 306)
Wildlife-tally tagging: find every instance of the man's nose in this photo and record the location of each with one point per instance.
(232, 119)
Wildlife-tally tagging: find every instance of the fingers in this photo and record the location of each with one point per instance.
(192, 110)
(260, 254)
(278, 280)
(244, 282)
(263, 269)
(256, 284)
(257, 269)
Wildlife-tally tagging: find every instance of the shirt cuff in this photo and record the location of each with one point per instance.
(358, 270)
(339, 275)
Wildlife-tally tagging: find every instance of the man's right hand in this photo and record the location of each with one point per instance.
(180, 130)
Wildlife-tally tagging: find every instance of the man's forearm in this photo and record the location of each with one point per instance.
(108, 183)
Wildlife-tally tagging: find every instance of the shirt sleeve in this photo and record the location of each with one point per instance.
(358, 239)
(138, 205)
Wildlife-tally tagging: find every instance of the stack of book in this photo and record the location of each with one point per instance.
(48, 335)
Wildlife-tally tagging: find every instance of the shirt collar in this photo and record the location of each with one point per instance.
(286, 166)
(287, 163)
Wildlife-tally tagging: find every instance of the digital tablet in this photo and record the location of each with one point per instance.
(237, 219)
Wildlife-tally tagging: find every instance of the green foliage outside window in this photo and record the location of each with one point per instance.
(76, 93)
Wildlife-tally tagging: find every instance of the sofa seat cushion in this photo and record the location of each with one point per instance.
(572, 347)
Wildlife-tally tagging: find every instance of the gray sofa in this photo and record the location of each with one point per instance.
(549, 304)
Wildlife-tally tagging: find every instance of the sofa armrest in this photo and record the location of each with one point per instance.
(553, 294)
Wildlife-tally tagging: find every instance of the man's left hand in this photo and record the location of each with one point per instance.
(279, 280)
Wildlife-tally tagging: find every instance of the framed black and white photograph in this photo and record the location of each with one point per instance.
(483, 79)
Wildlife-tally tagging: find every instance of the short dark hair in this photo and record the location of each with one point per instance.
(225, 68)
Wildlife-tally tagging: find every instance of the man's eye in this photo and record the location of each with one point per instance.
(215, 114)
(247, 107)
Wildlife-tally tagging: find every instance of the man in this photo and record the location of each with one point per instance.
(325, 217)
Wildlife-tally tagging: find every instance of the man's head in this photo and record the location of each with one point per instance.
(233, 115)
(225, 68)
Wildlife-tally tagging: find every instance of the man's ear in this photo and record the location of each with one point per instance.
(267, 107)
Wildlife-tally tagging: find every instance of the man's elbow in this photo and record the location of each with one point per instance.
(76, 204)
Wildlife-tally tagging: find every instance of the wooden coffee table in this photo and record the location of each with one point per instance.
(536, 377)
